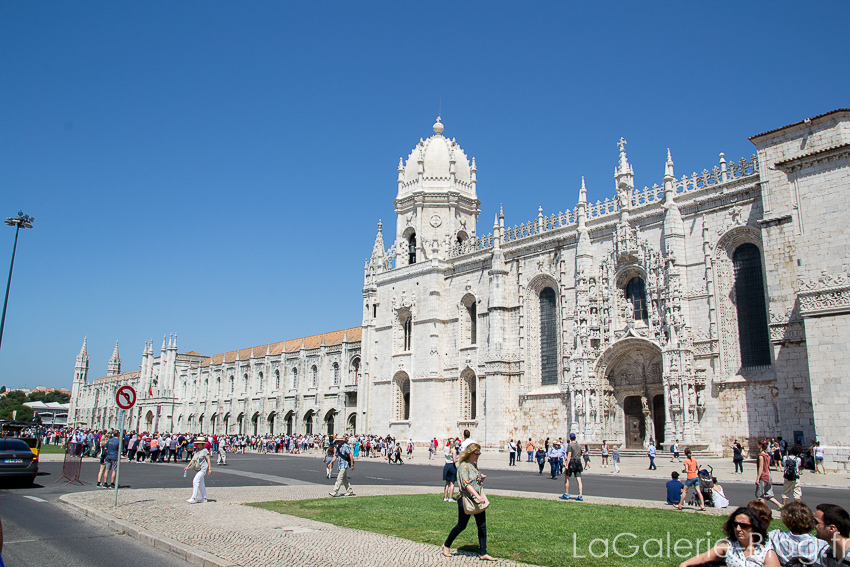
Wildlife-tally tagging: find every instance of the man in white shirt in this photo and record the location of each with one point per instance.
(832, 525)
(466, 440)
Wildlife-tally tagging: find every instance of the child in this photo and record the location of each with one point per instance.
(328, 458)
(719, 497)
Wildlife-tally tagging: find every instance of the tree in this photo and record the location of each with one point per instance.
(3, 390)
(23, 412)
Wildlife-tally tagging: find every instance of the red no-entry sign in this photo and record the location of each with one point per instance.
(125, 397)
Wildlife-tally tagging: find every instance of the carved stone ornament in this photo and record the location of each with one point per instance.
(825, 294)
(436, 221)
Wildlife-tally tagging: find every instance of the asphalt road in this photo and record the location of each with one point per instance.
(43, 532)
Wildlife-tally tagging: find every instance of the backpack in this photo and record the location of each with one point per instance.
(792, 472)
(195, 463)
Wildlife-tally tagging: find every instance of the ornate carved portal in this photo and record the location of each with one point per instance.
(632, 369)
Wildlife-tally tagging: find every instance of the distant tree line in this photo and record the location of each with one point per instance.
(13, 403)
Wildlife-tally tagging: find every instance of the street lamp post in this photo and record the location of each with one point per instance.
(19, 222)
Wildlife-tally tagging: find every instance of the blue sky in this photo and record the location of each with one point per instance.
(217, 169)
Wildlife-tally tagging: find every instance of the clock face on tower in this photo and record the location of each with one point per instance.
(436, 221)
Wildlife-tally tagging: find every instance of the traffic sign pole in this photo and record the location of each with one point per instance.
(120, 451)
(125, 397)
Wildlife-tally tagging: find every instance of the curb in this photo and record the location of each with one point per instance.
(166, 544)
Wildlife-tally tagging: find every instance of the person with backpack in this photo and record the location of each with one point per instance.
(201, 464)
(792, 468)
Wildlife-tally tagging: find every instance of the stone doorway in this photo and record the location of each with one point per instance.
(635, 423)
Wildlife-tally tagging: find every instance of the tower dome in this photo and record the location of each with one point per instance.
(437, 164)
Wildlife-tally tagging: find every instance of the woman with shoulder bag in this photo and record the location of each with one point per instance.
(471, 502)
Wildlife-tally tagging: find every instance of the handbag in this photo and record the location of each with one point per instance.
(471, 507)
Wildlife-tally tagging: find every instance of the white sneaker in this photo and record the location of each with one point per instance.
(192, 501)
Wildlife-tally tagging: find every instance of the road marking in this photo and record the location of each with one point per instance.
(378, 478)
(36, 498)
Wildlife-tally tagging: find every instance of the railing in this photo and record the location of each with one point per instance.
(719, 174)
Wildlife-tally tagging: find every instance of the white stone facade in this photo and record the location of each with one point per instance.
(301, 385)
(706, 308)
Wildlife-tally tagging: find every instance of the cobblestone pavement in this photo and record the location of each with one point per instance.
(226, 533)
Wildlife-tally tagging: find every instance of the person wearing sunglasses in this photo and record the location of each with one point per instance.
(471, 486)
(745, 544)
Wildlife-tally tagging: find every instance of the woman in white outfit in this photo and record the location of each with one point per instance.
(199, 488)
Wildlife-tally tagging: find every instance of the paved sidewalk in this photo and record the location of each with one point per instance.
(225, 533)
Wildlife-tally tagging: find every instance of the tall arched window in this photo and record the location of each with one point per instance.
(336, 374)
(232, 385)
(206, 387)
(245, 383)
(753, 336)
(636, 295)
(294, 378)
(218, 386)
(315, 372)
(277, 379)
(548, 337)
(262, 382)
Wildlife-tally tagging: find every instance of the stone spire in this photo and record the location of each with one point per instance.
(114, 365)
(624, 176)
(584, 256)
(673, 224)
(83, 357)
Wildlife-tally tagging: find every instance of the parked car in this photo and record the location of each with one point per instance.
(17, 461)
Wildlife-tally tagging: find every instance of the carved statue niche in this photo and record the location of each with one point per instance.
(674, 395)
(700, 398)
(692, 396)
(644, 405)
(579, 404)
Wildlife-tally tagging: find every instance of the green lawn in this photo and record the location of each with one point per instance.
(541, 532)
(53, 449)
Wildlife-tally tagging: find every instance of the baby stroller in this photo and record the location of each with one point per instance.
(705, 487)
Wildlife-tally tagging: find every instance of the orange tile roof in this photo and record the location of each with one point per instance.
(118, 377)
(192, 353)
(351, 335)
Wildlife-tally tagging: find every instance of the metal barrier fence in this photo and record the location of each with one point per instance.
(73, 463)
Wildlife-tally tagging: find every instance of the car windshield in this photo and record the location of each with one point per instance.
(13, 445)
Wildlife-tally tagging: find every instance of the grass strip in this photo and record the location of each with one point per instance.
(541, 532)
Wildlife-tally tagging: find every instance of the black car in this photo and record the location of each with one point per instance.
(17, 461)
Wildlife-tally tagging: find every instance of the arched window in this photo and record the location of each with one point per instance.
(315, 372)
(218, 386)
(262, 382)
(336, 374)
(232, 385)
(469, 327)
(206, 387)
(548, 337)
(402, 397)
(277, 379)
(411, 247)
(407, 331)
(753, 336)
(245, 383)
(636, 295)
(294, 378)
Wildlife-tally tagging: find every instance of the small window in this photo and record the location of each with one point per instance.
(374, 310)
(407, 326)
(245, 383)
(315, 373)
(277, 379)
(636, 295)
(336, 374)
(232, 385)
(294, 378)
(262, 382)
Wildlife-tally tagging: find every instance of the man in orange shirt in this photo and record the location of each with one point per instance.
(529, 448)
(691, 468)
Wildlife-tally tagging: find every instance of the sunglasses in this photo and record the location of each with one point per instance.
(477, 452)
(742, 525)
